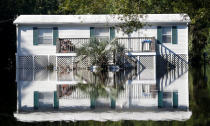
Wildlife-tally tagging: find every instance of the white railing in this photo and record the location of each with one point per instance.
(68, 45)
(134, 44)
(138, 44)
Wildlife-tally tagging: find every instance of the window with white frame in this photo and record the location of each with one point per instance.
(45, 36)
(166, 34)
(101, 32)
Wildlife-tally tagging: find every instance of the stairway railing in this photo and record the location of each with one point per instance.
(175, 66)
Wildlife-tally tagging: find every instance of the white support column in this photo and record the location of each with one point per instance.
(17, 67)
(48, 73)
(17, 54)
(129, 42)
(33, 66)
(72, 59)
(138, 67)
(72, 67)
(56, 66)
(18, 97)
(154, 66)
(18, 39)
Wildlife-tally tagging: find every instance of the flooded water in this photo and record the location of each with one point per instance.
(144, 92)
(82, 95)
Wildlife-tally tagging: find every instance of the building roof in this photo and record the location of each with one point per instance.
(99, 19)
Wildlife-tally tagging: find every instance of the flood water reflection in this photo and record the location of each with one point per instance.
(130, 94)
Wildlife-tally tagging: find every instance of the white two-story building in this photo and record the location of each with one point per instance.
(159, 49)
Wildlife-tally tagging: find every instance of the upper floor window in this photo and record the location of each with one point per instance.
(45, 36)
(166, 34)
(101, 32)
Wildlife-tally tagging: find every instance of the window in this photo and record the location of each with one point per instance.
(46, 99)
(45, 36)
(167, 99)
(102, 33)
(166, 34)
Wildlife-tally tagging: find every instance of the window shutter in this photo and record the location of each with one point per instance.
(175, 99)
(160, 99)
(91, 31)
(159, 35)
(55, 35)
(35, 36)
(56, 102)
(92, 103)
(112, 33)
(174, 35)
(113, 103)
(36, 99)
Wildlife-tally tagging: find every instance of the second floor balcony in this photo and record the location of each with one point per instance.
(135, 44)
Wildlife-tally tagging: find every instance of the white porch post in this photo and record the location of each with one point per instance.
(56, 66)
(17, 67)
(138, 67)
(17, 75)
(33, 66)
(154, 66)
(129, 43)
(72, 63)
(72, 67)
(17, 53)
(48, 73)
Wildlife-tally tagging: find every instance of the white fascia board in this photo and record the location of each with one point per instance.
(99, 19)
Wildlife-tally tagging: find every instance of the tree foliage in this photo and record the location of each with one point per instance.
(85, 7)
(196, 9)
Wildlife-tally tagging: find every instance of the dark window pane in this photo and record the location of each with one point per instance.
(166, 38)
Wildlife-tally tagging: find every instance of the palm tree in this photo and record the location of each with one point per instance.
(101, 51)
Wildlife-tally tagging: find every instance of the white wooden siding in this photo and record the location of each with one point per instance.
(74, 32)
(26, 92)
(27, 47)
(146, 31)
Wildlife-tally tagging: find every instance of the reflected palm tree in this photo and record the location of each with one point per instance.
(102, 85)
(98, 84)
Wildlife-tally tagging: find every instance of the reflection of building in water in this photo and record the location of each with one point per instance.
(147, 87)
(130, 88)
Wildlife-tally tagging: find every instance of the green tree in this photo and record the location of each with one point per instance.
(85, 7)
(196, 9)
(36, 6)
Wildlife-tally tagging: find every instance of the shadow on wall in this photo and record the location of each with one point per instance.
(169, 65)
